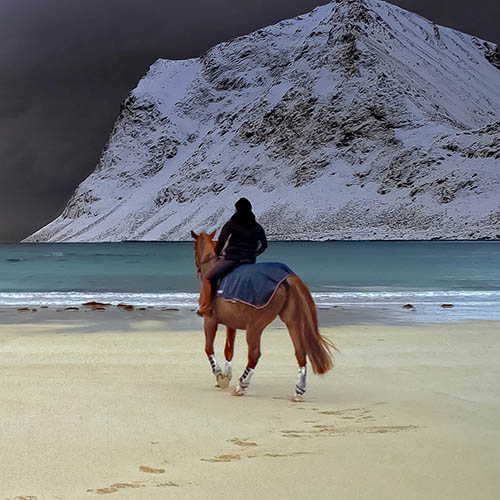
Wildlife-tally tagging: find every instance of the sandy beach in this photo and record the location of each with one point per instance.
(409, 412)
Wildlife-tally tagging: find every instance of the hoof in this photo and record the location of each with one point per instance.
(222, 381)
(238, 391)
(297, 398)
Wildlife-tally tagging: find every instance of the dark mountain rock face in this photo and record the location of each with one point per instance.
(358, 120)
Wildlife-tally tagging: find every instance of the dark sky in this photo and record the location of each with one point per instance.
(66, 65)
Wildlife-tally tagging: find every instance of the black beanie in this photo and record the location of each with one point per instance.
(243, 205)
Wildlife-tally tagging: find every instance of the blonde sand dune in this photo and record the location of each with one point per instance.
(407, 413)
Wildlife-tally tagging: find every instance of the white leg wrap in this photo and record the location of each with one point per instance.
(300, 387)
(246, 377)
(215, 367)
(228, 369)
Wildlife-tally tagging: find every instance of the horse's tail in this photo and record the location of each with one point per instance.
(305, 317)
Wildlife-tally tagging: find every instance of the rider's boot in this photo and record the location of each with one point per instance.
(205, 302)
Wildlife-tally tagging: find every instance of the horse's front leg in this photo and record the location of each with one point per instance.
(210, 329)
(253, 341)
(224, 377)
(228, 353)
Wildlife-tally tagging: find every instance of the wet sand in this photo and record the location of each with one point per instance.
(126, 406)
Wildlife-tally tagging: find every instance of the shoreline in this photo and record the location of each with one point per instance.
(134, 412)
(184, 317)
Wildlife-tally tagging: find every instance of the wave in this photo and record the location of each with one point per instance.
(77, 298)
(421, 296)
(190, 299)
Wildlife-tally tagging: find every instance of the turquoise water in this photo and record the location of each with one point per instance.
(367, 274)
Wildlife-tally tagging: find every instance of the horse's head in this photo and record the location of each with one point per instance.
(204, 249)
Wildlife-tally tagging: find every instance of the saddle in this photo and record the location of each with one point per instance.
(253, 284)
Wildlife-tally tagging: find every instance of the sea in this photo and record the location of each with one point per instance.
(366, 278)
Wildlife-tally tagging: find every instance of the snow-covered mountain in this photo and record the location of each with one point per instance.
(358, 120)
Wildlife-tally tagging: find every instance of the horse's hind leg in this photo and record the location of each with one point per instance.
(291, 323)
(300, 386)
(253, 341)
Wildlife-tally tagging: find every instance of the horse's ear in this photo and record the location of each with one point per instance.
(194, 235)
(212, 234)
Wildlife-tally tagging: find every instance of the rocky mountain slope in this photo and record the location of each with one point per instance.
(359, 120)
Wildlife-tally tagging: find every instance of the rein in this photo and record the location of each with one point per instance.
(204, 261)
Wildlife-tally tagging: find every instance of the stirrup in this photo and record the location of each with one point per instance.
(204, 314)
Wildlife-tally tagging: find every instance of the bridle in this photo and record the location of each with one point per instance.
(204, 261)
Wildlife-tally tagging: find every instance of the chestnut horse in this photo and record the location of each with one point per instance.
(291, 301)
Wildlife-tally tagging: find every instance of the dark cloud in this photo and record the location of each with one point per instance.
(480, 18)
(66, 65)
(12, 109)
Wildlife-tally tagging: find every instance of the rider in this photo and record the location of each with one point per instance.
(238, 244)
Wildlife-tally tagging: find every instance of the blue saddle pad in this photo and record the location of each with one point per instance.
(253, 284)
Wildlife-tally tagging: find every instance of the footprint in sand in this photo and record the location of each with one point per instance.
(357, 414)
(222, 458)
(232, 458)
(365, 418)
(150, 470)
(361, 416)
(340, 412)
(333, 430)
(113, 488)
(242, 442)
(283, 455)
(390, 428)
(293, 433)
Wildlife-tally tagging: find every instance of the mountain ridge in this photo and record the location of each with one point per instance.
(358, 120)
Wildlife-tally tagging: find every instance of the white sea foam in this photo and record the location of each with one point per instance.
(381, 306)
(421, 296)
(464, 299)
(78, 298)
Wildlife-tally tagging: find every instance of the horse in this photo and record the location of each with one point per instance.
(292, 302)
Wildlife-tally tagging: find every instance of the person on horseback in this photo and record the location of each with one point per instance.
(240, 241)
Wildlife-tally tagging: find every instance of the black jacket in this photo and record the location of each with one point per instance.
(242, 238)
